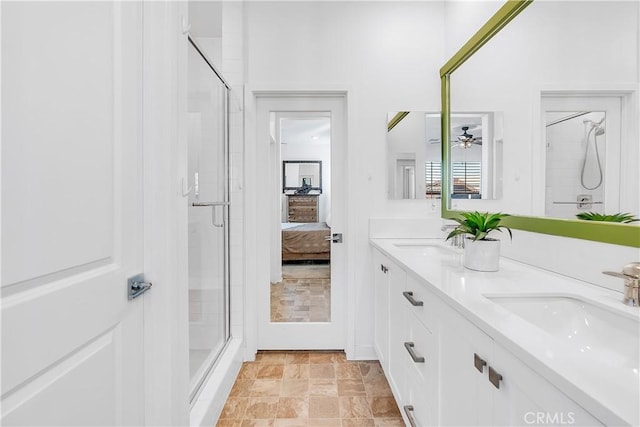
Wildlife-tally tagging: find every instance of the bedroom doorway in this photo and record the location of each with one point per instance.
(300, 288)
(301, 292)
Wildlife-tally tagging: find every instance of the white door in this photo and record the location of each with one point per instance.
(300, 335)
(72, 342)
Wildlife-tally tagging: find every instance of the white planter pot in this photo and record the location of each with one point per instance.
(482, 255)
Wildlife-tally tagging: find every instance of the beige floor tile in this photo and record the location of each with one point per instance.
(327, 387)
(296, 372)
(271, 357)
(371, 370)
(358, 422)
(297, 358)
(228, 423)
(354, 407)
(294, 388)
(322, 370)
(261, 408)
(310, 389)
(265, 388)
(234, 408)
(350, 387)
(378, 388)
(241, 388)
(290, 422)
(348, 370)
(325, 422)
(389, 422)
(249, 371)
(384, 407)
(322, 357)
(293, 407)
(324, 407)
(270, 372)
(257, 423)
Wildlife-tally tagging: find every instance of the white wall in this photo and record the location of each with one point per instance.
(387, 55)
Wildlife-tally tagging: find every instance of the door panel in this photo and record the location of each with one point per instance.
(72, 350)
(300, 335)
(208, 217)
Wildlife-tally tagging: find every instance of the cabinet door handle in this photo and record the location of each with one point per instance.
(409, 346)
(409, 295)
(478, 362)
(494, 377)
(408, 409)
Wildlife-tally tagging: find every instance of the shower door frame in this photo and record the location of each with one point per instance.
(211, 360)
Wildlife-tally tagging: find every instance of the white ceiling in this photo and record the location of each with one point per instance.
(305, 130)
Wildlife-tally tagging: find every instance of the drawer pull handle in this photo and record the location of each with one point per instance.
(494, 377)
(409, 295)
(479, 363)
(408, 409)
(409, 346)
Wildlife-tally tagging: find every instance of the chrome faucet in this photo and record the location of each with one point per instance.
(631, 275)
(457, 241)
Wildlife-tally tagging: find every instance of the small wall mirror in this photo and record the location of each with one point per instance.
(301, 174)
(414, 155)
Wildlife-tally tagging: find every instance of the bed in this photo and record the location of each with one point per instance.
(305, 241)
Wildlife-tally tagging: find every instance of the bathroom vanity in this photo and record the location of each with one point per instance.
(521, 346)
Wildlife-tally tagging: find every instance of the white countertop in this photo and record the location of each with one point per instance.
(609, 391)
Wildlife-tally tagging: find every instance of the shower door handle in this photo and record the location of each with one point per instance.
(214, 211)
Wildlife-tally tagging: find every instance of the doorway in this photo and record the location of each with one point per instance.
(301, 286)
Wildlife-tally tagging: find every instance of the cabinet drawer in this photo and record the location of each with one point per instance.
(422, 387)
(302, 201)
(421, 302)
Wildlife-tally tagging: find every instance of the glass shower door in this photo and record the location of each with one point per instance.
(208, 217)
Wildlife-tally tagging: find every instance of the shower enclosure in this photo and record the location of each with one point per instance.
(208, 212)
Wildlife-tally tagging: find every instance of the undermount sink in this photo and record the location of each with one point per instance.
(587, 327)
(424, 248)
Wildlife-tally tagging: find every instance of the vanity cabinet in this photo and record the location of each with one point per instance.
(404, 343)
(444, 370)
(302, 208)
(482, 383)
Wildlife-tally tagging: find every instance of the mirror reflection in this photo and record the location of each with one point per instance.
(414, 155)
(301, 176)
(569, 117)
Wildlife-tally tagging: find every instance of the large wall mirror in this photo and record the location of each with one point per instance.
(567, 95)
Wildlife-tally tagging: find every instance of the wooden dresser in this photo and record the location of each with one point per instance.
(302, 208)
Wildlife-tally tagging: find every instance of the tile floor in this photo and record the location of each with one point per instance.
(304, 295)
(300, 388)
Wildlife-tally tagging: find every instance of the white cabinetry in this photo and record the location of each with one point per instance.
(481, 383)
(444, 370)
(406, 345)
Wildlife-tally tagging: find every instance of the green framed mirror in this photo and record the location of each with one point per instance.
(488, 80)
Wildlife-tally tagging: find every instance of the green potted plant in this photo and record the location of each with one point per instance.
(481, 252)
(617, 217)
